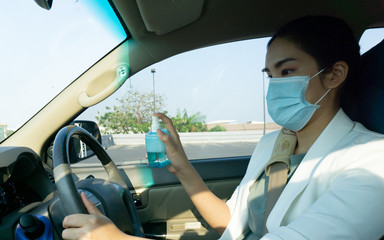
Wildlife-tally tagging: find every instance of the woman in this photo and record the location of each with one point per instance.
(335, 167)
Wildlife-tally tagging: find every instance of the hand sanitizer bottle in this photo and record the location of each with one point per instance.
(156, 151)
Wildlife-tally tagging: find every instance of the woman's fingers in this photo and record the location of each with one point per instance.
(91, 208)
(88, 226)
(175, 151)
(75, 223)
(166, 139)
(93, 226)
(75, 220)
(72, 233)
(168, 124)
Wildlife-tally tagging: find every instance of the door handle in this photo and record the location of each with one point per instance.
(122, 72)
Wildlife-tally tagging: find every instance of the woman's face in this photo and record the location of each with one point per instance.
(285, 59)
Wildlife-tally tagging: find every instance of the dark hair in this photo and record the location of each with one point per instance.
(327, 39)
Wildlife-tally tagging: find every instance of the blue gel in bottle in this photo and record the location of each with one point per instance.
(156, 152)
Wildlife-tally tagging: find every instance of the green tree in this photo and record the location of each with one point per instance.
(133, 113)
(192, 123)
(218, 128)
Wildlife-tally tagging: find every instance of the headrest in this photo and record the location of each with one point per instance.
(367, 106)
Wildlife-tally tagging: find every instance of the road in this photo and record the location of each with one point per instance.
(136, 153)
(130, 148)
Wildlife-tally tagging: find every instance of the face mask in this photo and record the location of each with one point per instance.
(286, 101)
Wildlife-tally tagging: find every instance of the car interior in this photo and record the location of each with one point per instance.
(35, 161)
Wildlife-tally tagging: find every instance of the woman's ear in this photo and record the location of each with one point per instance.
(337, 75)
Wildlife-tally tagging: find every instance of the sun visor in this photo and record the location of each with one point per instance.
(164, 16)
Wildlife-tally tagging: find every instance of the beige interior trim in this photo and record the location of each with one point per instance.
(164, 16)
(120, 75)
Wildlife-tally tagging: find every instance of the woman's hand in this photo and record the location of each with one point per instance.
(90, 226)
(175, 151)
(211, 208)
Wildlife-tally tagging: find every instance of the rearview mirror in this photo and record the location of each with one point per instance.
(46, 4)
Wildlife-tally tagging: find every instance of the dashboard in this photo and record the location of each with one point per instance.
(29, 197)
(15, 195)
(25, 187)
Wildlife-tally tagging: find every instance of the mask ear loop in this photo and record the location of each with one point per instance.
(322, 70)
(325, 94)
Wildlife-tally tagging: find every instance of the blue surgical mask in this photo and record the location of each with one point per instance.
(286, 101)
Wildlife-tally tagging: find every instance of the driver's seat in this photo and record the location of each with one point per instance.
(367, 105)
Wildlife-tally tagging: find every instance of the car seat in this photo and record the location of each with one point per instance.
(366, 105)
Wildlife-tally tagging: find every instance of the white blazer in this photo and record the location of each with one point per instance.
(337, 192)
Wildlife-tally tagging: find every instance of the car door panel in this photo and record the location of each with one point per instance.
(164, 207)
(169, 211)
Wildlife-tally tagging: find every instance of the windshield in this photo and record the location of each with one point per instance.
(42, 52)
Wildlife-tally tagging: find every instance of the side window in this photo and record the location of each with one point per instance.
(370, 38)
(213, 95)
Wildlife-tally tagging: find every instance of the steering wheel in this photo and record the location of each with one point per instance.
(112, 194)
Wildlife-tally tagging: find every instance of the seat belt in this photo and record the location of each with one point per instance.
(277, 169)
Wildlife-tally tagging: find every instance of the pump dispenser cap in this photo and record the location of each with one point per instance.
(155, 124)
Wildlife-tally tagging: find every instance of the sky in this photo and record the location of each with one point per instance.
(42, 52)
(222, 82)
